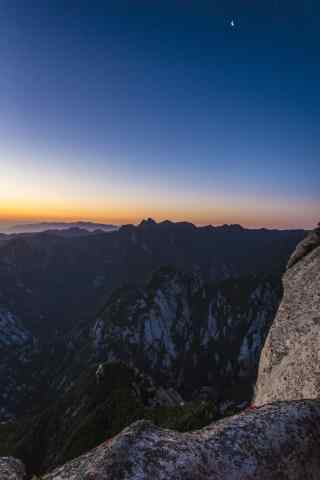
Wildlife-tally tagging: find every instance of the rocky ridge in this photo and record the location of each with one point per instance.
(55, 282)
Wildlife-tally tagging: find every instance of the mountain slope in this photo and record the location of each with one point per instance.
(278, 440)
(99, 403)
(53, 282)
(186, 332)
(57, 283)
(16, 348)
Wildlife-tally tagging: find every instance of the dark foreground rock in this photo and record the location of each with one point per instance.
(279, 441)
(289, 366)
(11, 469)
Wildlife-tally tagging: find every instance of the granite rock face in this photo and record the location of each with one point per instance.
(11, 469)
(185, 332)
(290, 362)
(278, 441)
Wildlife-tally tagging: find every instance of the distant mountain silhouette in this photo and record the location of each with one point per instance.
(44, 226)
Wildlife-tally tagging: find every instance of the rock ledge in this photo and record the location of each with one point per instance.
(272, 442)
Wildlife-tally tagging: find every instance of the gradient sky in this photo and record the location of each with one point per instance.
(117, 110)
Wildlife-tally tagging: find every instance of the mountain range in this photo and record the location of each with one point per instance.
(45, 226)
(163, 321)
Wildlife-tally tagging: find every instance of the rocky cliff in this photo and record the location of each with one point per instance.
(181, 330)
(290, 362)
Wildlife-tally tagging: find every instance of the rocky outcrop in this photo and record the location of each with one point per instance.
(290, 361)
(11, 469)
(311, 242)
(278, 441)
(181, 330)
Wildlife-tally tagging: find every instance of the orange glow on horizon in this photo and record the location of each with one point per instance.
(120, 216)
(42, 191)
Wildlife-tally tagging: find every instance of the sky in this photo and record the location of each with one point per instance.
(205, 111)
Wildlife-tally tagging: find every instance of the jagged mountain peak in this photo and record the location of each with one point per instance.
(147, 223)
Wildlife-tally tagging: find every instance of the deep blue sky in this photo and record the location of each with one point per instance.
(119, 109)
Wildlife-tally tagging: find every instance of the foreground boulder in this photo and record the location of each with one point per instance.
(279, 441)
(11, 469)
(289, 366)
